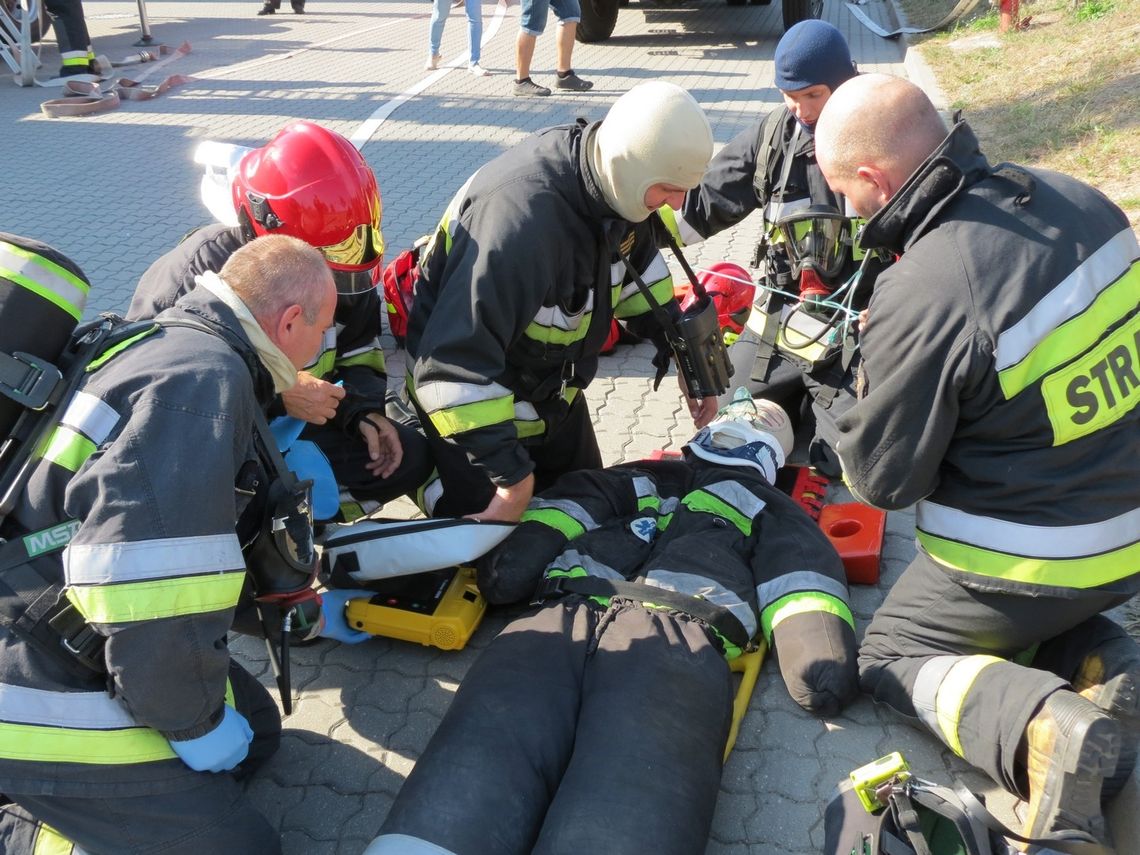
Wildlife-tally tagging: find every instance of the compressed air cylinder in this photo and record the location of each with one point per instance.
(42, 297)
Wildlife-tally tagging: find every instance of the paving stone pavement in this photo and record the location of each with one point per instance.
(115, 191)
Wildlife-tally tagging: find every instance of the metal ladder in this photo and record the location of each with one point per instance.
(16, 38)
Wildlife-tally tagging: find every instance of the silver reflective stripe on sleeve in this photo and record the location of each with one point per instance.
(105, 563)
(798, 582)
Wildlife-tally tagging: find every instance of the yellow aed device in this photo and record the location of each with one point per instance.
(441, 608)
(866, 780)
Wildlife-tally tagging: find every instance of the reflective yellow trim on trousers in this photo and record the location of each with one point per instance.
(51, 842)
(160, 598)
(1099, 388)
(93, 747)
(801, 603)
(952, 693)
(477, 414)
(1087, 572)
(68, 449)
(1074, 336)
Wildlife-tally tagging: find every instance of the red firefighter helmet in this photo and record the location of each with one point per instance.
(311, 183)
(731, 288)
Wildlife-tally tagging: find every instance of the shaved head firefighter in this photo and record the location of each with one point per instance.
(999, 393)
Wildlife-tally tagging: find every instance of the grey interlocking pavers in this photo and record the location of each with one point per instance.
(115, 191)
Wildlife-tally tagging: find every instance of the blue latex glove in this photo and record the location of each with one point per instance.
(219, 750)
(334, 618)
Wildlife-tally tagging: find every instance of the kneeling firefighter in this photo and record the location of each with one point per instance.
(598, 723)
(798, 347)
(134, 496)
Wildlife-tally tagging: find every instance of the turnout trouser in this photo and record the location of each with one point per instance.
(974, 666)
(567, 446)
(807, 398)
(579, 729)
(70, 34)
(348, 456)
(215, 816)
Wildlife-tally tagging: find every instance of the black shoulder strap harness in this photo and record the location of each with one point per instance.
(972, 821)
(31, 605)
(717, 617)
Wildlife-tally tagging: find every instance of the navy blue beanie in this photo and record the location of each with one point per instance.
(810, 53)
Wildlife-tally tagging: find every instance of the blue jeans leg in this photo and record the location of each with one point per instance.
(439, 12)
(474, 28)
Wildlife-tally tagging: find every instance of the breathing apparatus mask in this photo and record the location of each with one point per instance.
(282, 560)
(818, 244)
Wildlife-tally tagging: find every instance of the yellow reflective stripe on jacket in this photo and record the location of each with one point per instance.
(1084, 555)
(163, 598)
(93, 747)
(160, 558)
(1087, 572)
(553, 335)
(669, 218)
(646, 492)
(86, 423)
(1099, 388)
(51, 842)
(368, 357)
(553, 325)
(457, 407)
(110, 352)
(556, 519)
(45, 278)
(323, 365)
(68, 449)
(636, 304)
(479, 414)
(803, 602)
(564, 515)
(1072, 316)
(704, 502)
(1075, 335)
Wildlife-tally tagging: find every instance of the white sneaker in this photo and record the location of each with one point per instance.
(433, 62)
(478, 70)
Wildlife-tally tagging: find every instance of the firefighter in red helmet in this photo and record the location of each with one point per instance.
(311, 183)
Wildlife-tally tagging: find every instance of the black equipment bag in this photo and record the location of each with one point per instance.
(922, 818)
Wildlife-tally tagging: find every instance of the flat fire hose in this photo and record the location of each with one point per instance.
(84, 97)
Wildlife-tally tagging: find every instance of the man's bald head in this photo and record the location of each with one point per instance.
(875, 129)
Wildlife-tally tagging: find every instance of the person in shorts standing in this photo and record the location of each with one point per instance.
(532, 21)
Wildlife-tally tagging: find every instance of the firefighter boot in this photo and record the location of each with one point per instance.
(1072, 746)
(1110, 678)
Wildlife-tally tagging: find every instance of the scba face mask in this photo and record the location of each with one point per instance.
(817, 239)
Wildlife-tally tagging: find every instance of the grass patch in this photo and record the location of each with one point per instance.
(1063, 94)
